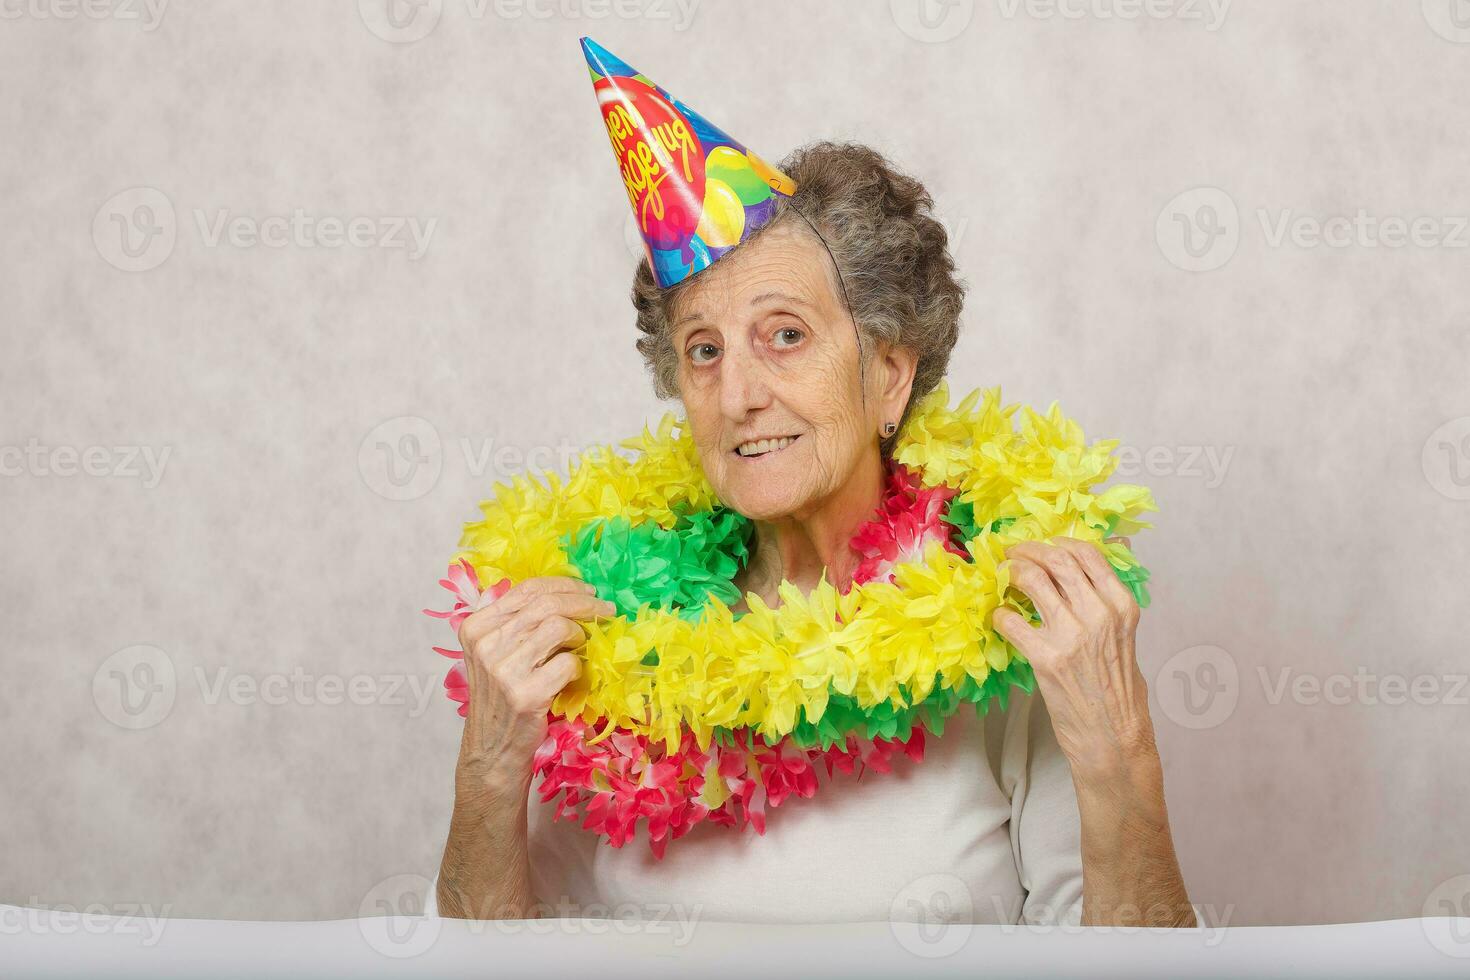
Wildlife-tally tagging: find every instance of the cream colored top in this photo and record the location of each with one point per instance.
(984, 830)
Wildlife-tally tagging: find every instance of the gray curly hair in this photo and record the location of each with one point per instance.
(892, 257)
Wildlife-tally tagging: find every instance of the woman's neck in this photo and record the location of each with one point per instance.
(800, 546)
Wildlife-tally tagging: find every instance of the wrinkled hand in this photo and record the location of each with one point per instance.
(518, 655)
(1082, 654)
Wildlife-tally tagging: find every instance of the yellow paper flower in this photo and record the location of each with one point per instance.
(880, 642)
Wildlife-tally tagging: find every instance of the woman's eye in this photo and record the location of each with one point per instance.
(789, 331)
(695, 351)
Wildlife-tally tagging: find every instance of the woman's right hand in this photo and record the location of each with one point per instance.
(516, 660)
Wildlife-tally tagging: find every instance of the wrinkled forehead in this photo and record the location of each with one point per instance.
(786, 259)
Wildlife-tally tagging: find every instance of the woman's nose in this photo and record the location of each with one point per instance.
(743, 387)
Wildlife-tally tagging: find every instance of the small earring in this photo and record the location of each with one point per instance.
(889, 429)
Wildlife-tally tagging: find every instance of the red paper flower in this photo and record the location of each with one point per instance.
(909, 517)
(626, 780)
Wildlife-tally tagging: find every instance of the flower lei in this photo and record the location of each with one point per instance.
(688, 712)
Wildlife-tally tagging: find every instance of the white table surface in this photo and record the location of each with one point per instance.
(38, 943)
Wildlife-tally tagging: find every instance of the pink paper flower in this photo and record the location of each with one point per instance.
(626, 781)
(464, 584)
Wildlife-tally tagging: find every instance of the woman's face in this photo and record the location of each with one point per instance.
(767, 353)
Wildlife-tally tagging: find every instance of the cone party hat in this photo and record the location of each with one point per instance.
(695, 192)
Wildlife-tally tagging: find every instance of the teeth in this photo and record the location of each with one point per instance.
(764, 446)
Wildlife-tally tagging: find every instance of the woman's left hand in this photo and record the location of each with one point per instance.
(1083, 655)
(1087, 673)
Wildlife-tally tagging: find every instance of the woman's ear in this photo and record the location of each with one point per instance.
(897, 368)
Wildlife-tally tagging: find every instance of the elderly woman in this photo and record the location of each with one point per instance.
(796, 358)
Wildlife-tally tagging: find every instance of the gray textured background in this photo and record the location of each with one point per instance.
(1299, 410)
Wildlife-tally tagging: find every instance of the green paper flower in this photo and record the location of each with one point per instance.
(676, 568)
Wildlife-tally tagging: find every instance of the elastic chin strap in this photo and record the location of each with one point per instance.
(862, 372)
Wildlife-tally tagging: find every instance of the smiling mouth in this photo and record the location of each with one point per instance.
(762, 448)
